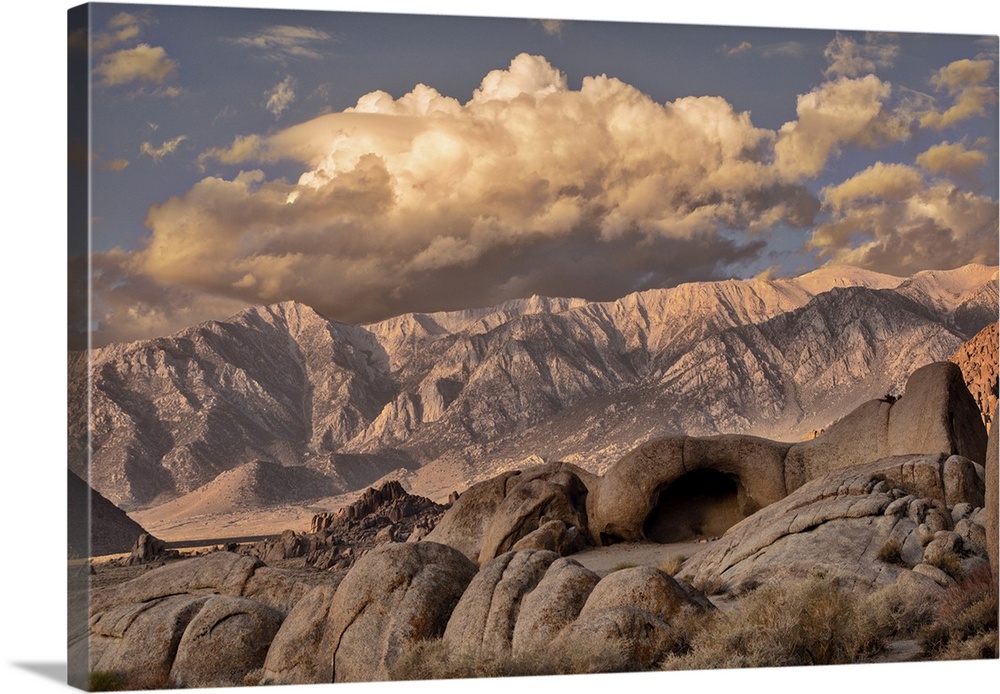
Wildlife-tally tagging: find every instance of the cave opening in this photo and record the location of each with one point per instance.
(699, 504)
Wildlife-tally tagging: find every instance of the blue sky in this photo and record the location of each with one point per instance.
(370, 165)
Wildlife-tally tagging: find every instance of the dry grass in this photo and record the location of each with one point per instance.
(965, 625)
(892, 552)
(433, 660)
(672, 565)
(811, 622)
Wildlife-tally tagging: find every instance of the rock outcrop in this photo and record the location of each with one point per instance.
(206, 621)
(294, 654)
(685, 487)
(992, 507)
(384, 514)
(747, 471)
(978, 359)
(111, 531)
(491, 517)
(935, 414)
(395, 596)
(868, 524)
(225, 641)
(485, 617)
(554, 604)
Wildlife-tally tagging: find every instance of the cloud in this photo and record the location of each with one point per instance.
(114, 164)
(890, 219)
(423, 202)
(245, 148)
(737, 50)
(281, 96)
(144, 63)
(785, 49)
(841, 111)
(953, 160)
(552, 27)
(157, 153)
(850, 58)
(123, 27)
(967, 81)
(281, 42)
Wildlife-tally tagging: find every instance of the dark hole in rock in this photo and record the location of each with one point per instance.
(703, 503)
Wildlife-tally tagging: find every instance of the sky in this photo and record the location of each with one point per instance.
(374, 164)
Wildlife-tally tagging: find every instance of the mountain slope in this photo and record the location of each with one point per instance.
(484, 388)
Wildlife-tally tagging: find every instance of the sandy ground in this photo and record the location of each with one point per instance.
(602, 560)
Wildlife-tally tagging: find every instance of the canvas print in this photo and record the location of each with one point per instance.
(416, 347)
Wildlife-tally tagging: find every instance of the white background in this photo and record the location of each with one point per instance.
(32, 389)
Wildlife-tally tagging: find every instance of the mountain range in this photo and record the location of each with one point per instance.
(457, 396)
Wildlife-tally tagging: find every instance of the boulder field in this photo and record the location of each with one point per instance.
(898, 492)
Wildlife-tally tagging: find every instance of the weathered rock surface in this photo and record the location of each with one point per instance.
(111, 530)
(868, 524)
(139, 639)
(393, 597)
(548, 492)
(485, 617)
(935, 414)
(206, 621)
(978, 360)
(491, 517)
(992, 506)
(640, 587)
(465, 524)
(554, 604)
(293, 656)
(628, 614)
(227, 639)
(219, 572)
(630, 489)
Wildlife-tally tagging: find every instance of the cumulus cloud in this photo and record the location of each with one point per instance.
(157, 153)
(144, 63)
(282, 42)
(281, 96)
(423, 202)
(891, 219)
(953, 160)
(851, 58)
(967, 82)
(841, 111)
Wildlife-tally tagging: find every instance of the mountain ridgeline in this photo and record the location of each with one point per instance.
(480, 390)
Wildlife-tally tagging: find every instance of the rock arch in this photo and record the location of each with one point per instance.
(701, 503)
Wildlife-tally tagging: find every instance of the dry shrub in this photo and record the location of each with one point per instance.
(809, 622)
(105, 681)
(431, 660)
(895, 613)
(672, 565)
(892, 551)
(966, 621)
